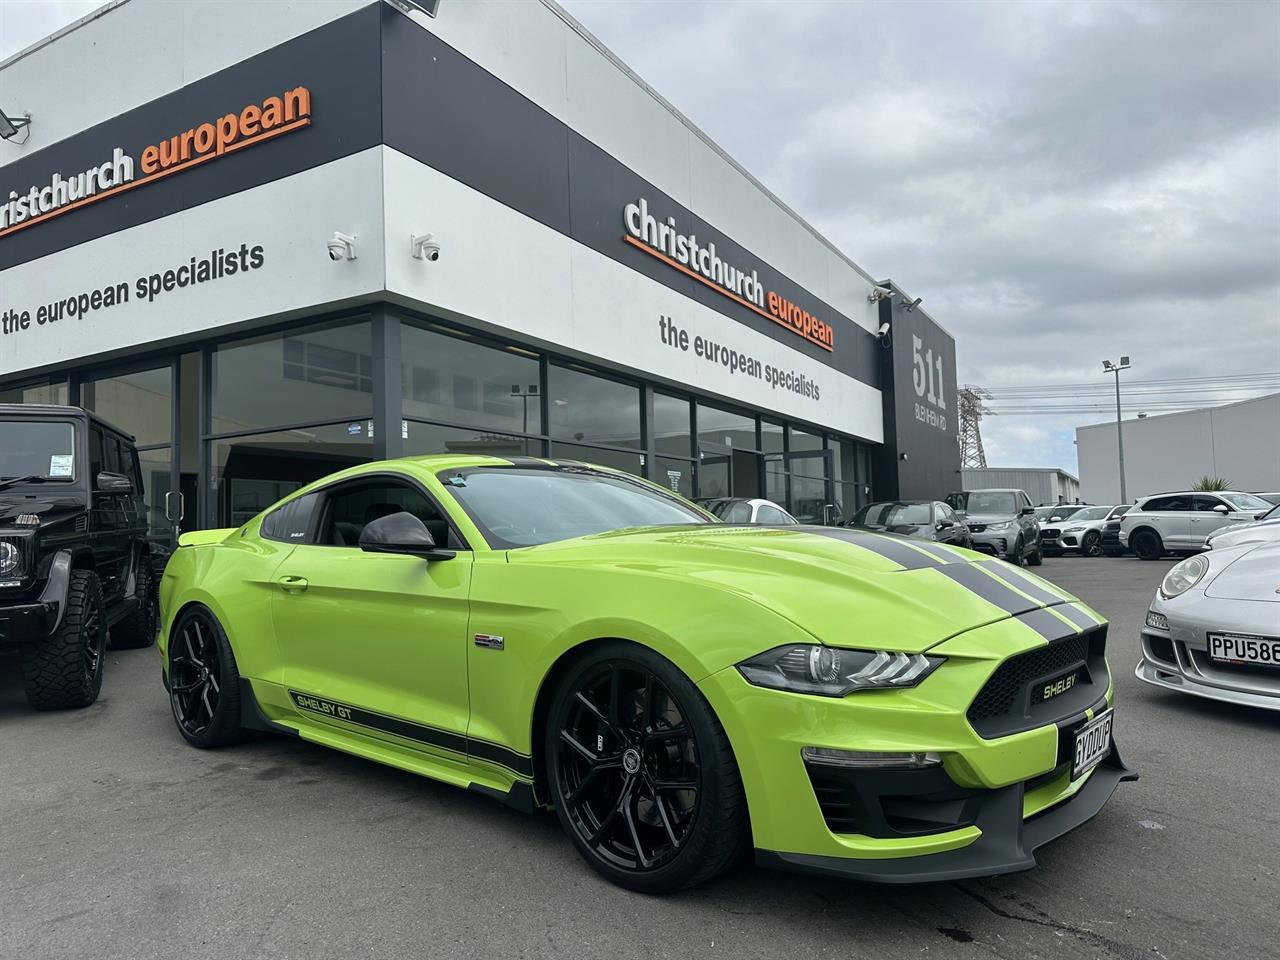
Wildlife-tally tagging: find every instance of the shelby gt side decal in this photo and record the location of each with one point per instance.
(417, 732)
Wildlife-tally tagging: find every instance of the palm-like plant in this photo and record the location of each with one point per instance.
(1211, 483)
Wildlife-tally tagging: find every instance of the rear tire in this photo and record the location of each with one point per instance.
(1147, 545)
(64, 670)
(204, 683)
(139, 628)
(1091, 544)
(643, 777)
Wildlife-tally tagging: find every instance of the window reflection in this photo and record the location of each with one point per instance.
(671, 424)
(431, 438)
(54, 393)
(588, 408)
(619, 460)
(138, 403)
(728, 427)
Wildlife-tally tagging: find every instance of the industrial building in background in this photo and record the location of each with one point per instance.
(1044, 485)
(1236, 442)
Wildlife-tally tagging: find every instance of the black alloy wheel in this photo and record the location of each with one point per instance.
(642, 775)
(1091, 544)
(95, 643)
(195, 674)
(628, 768)
(1147, 545)
(1016, 554)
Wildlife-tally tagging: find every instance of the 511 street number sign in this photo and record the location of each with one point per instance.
(928, 381)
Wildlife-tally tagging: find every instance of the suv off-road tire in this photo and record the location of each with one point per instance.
(717, 835)
(64, 670)
(1147, 545)
(139, 628)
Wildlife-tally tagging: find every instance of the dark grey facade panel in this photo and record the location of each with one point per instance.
(338, 62)
(921, 409)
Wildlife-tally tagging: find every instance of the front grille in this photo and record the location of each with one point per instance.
(1007, 703)
(1051, 533)
(977, 527)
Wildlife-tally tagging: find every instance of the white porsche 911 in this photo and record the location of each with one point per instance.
(1213, 629)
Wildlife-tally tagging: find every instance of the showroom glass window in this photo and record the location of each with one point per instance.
(672, 438)
(730, 428)
(55, 393)
(590, 409)
(456, 380)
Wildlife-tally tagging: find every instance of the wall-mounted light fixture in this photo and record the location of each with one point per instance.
(9, 126)
(342, 246)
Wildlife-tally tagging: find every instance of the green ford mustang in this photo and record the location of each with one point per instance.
(678, 689)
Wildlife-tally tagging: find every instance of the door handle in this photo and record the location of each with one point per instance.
(293, 584)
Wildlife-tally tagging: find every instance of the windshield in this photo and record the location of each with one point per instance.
(515, 507)
(892, 515)
(986, 502)
(1090, 513)
(1245, 501)
(41, 450)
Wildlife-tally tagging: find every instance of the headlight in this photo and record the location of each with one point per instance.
(1003, 525)
(1183, 577)
(9, 558)
(832, 672)
(1072, 529)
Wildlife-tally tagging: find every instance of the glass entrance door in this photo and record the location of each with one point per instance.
(803, 482)
(725, 471)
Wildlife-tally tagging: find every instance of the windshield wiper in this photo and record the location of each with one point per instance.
(12, 481)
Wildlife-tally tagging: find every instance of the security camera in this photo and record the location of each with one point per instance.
(342, 246)
(911, 307)
(423, 247)
(883, 331)
(878, 294)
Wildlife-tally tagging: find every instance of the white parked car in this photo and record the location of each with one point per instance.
(1213, 629)
(1182, 522)
(1268, 528)
(747, 510)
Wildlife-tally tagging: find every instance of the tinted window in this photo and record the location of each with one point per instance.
(97, 457)
(40, 448)
(1166, 504)
(519, 508)
(1204, 504)
(768, 514)
(292, 522)
(351, 506)
(737, 513)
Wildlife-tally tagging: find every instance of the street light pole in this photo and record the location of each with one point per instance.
(524, 395)
(1115, 368)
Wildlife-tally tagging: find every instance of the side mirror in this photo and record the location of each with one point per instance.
(401, 533)
(1221, 508)
(946, 524)
(107, 482)
(1028, 511)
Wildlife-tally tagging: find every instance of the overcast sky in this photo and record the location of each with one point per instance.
(1060, 182)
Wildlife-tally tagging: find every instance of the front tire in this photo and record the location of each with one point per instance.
(204, 684)
(1015, 555)
(1037, 556)
(643, 777)
(1091, 544)
(139, 628)
(64, 671)
(1147, 545)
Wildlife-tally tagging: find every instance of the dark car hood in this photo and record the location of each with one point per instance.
(47, 507)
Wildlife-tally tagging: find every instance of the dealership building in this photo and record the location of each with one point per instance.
(272, 240)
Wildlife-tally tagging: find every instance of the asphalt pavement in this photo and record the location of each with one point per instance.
(118, 840)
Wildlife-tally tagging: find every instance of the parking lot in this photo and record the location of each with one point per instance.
(118, 840)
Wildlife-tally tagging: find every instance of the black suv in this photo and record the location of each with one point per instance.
(74, 559)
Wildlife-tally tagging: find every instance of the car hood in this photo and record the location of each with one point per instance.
(830, 581)
(47, 508)
(1252, 573)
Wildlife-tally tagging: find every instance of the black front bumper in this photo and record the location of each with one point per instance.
(23, 624)
(1007, 845)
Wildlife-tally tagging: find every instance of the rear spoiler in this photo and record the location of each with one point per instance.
(201, 538)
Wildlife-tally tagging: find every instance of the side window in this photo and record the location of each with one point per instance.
(292, 522)
(770, 514)
(1167, 504)
(1205, 504)
(352, 505)
(97, 457)
(738, 513)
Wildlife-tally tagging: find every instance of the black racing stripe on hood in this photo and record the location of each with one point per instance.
(1076, 616)
(1025, 583)
(887, 547)
(988, 588)
(1047, 625)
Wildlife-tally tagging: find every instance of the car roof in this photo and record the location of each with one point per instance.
(60, 410)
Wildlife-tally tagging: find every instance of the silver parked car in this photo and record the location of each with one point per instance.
(1182, 522)
(1268, 528)
(1081, 531)
(1001, 522)
(1213, 629)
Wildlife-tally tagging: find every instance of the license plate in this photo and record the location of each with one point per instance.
(1093, 744)
(1229, 648)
